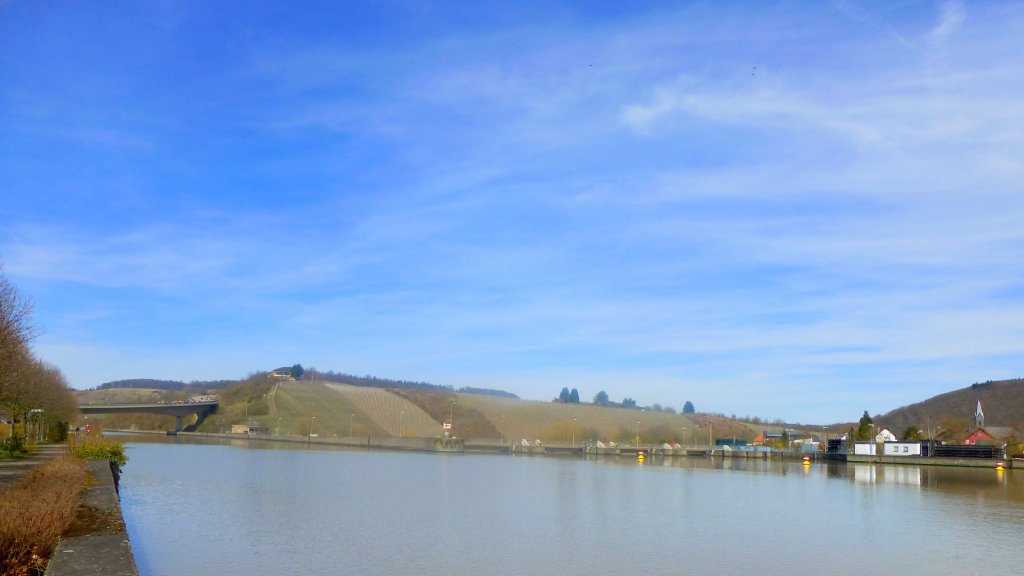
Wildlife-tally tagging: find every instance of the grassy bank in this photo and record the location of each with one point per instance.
(35, 512)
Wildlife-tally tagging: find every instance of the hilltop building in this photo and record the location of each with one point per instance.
(284, 373)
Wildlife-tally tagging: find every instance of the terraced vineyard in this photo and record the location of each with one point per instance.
(296, 403)
(392, 413)
(552, 421)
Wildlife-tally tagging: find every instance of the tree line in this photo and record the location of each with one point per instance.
(375, 382)
(32, 392)
(567, 396)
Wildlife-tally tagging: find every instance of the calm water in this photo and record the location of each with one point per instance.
(194, 508)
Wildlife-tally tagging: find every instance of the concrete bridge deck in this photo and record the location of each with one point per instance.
(177, 409)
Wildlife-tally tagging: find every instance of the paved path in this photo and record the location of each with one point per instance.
(12, 470)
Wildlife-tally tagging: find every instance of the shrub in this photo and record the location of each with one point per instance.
(35, 512)
(96, 447)
(12, 445)
(57, 433)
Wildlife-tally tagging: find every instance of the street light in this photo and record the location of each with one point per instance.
(311, 421)
(574, 432)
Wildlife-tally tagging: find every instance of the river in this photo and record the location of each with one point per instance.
(226, 507)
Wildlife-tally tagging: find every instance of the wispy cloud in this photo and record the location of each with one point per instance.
(671, 205)
(951, 17)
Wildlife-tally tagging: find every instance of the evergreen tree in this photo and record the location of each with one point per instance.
(601, 398)
(864, 427)
(574, 396)
(688, 408)
(563, 396)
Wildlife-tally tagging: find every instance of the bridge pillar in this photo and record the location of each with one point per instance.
(177, 423)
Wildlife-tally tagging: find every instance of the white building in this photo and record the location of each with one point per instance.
(864, 448)
(901, 449)
(885, 436)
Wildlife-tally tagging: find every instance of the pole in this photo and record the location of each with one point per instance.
(351, 421)
(401, 424)
(311, 421)
(574, 432)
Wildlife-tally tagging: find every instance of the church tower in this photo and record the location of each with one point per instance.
(979, 416)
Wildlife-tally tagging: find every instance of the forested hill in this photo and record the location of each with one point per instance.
(175, 385)
(1002, 401)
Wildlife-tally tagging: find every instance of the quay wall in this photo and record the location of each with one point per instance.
(104, 549)
(927, 461)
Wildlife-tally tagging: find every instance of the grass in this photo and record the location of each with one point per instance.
(35, 512)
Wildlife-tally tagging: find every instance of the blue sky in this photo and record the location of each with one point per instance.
(790, 210)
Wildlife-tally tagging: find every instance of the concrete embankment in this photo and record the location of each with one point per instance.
(925, 461)
(98, 544)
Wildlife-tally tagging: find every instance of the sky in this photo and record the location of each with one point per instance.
(794, 210)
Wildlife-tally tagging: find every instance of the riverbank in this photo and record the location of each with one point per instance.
(582, 451)
(97, 544)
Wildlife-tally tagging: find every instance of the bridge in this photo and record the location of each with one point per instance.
(177, 409)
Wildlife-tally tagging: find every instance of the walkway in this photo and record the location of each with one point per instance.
(11, 470)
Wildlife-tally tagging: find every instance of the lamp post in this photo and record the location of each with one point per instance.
(574, 432)
(351, 422)
(311, 421)
(278, 425)
(637, 434)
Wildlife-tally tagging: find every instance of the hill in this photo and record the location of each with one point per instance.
(173, 385)
(1002, 401)
(419, 411)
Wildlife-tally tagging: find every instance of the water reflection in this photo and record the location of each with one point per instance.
(207, 507)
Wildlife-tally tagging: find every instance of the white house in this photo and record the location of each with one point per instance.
(901, 449)
(885, 436)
